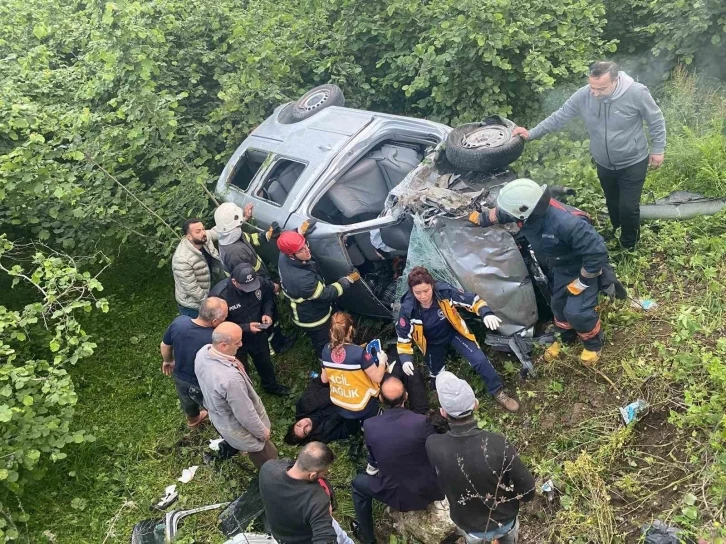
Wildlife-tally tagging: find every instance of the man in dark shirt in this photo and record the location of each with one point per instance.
(404, 479)
(296, 504)
(182, 340)
(480, 472)
(250, 303)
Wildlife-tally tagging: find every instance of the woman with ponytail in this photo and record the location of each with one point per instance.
(351, 372)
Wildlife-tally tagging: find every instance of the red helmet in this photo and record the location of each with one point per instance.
(290, 242)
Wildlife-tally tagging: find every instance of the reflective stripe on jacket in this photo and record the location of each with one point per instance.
(350, 386)
(409, 326)
(305, 288)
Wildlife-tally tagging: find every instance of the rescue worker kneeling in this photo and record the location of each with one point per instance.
(574, 250)
(351, 372)
(429, 318)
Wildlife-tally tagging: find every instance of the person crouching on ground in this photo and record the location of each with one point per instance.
(429, 318)
(353, 375)
(480, 472)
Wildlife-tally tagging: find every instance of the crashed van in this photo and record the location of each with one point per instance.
(389, 193)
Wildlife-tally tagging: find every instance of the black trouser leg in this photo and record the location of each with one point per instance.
(319, 336)
(277, 336)
(363, 506)
(623, 189)
(256, 346)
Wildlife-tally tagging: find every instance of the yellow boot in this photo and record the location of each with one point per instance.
(589, 358)
(552, 352)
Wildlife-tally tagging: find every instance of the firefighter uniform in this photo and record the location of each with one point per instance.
(310, 298)
(575, 251)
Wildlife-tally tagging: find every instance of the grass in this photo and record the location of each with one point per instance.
(611, 479)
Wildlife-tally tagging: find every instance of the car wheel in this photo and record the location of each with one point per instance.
(285, 115)
(484, 146)
(313, 101)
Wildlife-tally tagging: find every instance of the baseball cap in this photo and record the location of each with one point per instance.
(246, 278)
(455, 395)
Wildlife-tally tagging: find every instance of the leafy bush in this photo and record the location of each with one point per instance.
(37, 396)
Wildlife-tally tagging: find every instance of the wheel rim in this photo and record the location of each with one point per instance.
(315, 100)
(485, 137)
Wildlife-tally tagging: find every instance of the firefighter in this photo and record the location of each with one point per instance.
(304, 285)
(573, 249)
(249, 302)
(237, 246)
(429, 318)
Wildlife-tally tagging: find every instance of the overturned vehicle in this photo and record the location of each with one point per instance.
(390, 193)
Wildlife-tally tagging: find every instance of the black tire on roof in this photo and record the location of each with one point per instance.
(312, 102)
(484, 146)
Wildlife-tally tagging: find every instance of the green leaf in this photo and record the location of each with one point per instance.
(54, 345)
(689, 499)
(27, 400)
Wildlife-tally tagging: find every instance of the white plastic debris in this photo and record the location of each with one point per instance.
(214, 444)
(188, 474)
(646, 304)
(633, 410)
(170, 495)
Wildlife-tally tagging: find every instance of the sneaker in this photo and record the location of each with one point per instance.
(589, 358)
(552, 352)
(196, 421)
(279, 390)
(505, 400)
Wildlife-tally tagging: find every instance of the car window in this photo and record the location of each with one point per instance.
(247, 167)
(280, 180)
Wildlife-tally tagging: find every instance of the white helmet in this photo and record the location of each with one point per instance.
(227, 217)
(518, 198)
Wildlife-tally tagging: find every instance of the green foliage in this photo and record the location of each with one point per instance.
(654, 36)
(37, 396)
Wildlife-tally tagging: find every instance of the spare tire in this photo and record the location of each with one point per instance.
(312, 102)
(484, 146)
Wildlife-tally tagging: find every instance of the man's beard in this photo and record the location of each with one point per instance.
(202, 240)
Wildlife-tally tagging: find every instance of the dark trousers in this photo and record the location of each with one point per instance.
(277, 336)
(319, 336)
(191, 312)
(622, 190)
(576, 314)
(256, 345)
(363, 497)
(436, 355)
(258, 458)
(190, 397)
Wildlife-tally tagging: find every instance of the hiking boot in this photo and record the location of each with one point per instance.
(589, 358)
(279, 390)
(552, 352)
(505, 400)
(195, 421)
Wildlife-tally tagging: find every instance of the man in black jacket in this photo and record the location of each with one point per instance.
(249, 302)
(480, 472)
(399, 473)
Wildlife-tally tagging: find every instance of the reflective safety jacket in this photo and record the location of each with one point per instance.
(409, 325)
(242, 251)
(304, 285)
(350, 386)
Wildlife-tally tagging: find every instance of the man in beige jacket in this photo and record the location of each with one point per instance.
(194, 265)
(234, 407)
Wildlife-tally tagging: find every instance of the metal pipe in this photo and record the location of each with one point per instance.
(687, 210)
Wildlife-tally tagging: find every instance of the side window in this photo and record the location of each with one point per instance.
(280, 181)
(247, 167)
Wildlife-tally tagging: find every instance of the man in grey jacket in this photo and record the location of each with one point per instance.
(234, 407)
(614, 107)
(195, 264)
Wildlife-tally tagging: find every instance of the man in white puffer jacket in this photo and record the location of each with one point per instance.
(194, 265)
